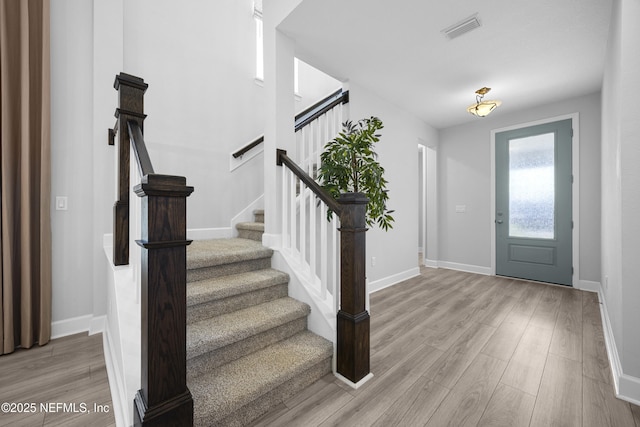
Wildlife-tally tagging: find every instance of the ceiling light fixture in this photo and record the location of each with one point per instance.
(483, 108)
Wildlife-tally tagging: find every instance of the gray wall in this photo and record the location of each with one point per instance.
(396, 251)
(464, 178)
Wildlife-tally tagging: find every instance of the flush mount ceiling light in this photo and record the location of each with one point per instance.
(483, 108)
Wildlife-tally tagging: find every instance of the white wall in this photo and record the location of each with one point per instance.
(313, 85)
(202, 104)
(395, 251)
(72, 151)
(464, 176)
(621, 197)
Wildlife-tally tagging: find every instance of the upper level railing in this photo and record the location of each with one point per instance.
(303, 118)
(163, 398)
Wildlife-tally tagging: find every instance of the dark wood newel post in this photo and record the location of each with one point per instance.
(353, 318)
(131, 91)
(164, 399)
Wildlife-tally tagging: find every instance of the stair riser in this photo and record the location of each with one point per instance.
(194, 275)
(259, 217)
(198, 365)
(270, 400)
(251, 234)
(209, 309)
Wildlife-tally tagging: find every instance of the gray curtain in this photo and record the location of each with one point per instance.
(25, 174)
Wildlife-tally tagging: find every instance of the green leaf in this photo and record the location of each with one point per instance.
(349, 164)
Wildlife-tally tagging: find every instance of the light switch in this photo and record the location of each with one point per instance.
(461, 208)
(61, 203)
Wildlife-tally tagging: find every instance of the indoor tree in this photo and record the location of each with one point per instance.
(349, 164)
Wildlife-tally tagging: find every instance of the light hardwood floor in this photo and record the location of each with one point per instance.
(457, 349)
(448, 349)
(67, 376)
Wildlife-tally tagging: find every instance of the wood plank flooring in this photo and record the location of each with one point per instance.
(63, 383)
(451, 348)
(448, 349)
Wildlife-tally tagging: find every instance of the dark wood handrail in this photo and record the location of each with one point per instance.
(322, 194)
(248, 147)
(304, 118)
(319, 108)
(140, 148)
(163, 398)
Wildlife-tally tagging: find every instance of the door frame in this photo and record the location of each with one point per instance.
(575, 190)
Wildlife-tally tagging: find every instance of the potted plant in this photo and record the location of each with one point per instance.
(349, 164)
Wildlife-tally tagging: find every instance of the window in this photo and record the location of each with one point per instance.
(257, 16)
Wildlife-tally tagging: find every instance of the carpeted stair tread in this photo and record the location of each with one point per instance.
(208, 253)
(252, 226)
(230, 387)
(227, 286)
(214, 333)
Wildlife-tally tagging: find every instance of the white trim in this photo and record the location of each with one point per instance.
(431, 263)
(465, 267)
(210, 233)
(588, 285)
(575, 191)
(394, 279)
(246, 215)
(75, 325)
(422, 153)
(626, 387)
(322, 319)
(116, 386)
(96, 325)
(272, 241)
(351, 383)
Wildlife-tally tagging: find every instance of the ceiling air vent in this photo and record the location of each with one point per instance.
(462, 27)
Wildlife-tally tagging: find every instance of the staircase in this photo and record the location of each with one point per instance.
(248, 347)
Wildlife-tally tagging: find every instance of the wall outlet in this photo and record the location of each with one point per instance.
(606, 282)
(373, 261)
(461, 208)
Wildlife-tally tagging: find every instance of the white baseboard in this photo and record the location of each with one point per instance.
(210, 233)
(351, 384)
(431, 263)
(75, 325)
(629, 389)
(385, 282)
(117, 387)
(97, 324)
(465, 267)
(588, 285)
(626, 387)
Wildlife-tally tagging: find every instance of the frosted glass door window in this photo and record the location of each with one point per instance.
(532, 187)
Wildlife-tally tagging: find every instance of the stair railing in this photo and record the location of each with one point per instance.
(317, 110)
(300, 193)
(311, 243)
(163, 398)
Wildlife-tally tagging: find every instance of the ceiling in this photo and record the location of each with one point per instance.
(529, 52)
